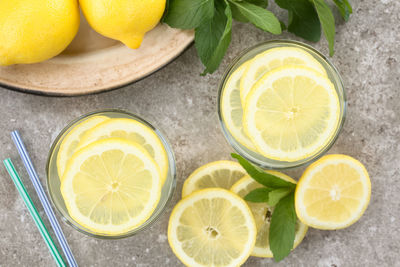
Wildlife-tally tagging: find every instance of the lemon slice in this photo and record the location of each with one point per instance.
(111, 186)
(212, 227)
(291, 113)
(262, 215)
(221, 174)
(71, 140)
(231, 108)
(134, 131)
(333, 192)
(274, 58)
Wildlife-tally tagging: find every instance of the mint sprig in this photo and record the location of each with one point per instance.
(277, 193)
(213, 28)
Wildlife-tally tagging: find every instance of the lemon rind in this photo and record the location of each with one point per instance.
(307, 175)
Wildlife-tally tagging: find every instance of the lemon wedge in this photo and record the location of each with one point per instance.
(262, 215)
(231, 108)
(291, 113)
(134, 131)
(221, 174)
(274, 58)
(333, 192)
(212, 227)
(71, 140)
(111, 186)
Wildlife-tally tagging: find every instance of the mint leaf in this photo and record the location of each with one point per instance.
(261, 176)
(239, 17)
(276, 195)
(327, 22)
(309, 28)
(303, 19)
(344, 7)
(260, 3)
(188, 14)
(258, 16)
(258, 195)
(282, 228)
(213, 37)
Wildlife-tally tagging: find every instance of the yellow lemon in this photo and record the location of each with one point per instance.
(291, 113)
(274, 58)
(36, 30)
(333, 192)
(71, 140)
(212, 227)
(262, 215)
(123, 20)
(112, 186)
(131, 130)
(220, 174)
(231, 107)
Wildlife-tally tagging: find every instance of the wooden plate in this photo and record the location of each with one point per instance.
(93, 63)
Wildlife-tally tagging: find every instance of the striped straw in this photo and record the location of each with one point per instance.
(43, 198)
(33, 211)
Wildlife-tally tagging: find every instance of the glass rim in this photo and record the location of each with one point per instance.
(238, 147)
(172, 166)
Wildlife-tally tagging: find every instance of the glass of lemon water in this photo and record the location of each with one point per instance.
(110, 173)
(281, 104)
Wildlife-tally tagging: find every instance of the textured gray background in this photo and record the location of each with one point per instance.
(183, 104)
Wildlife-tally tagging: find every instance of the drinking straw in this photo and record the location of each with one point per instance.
(35, 215)
(43, 198)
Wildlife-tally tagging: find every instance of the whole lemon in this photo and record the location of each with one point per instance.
(123, 20)
(36, 30)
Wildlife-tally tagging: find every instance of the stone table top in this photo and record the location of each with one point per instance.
(183, 104)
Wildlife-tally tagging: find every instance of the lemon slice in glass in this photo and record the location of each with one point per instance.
(221, 174)
(111, 186)
(134, 131)
(231, 107)
(292, 113)
(71, 140)
(212, 227)
(274, 58)
(333, 192)
(262, 215)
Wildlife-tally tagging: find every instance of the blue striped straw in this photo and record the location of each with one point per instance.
(43, 198)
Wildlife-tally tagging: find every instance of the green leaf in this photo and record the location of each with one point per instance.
(303, 19)
(276, 195)
(188, 14)
(213, 37)
(258, 16)
(261, 176)
(344, 7)
(239, 17)
(308, 28)
(258, 195)
(282, 228)
(260, 3)
(327, 22)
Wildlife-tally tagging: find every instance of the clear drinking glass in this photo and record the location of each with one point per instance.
(53, 180)
(334, 77)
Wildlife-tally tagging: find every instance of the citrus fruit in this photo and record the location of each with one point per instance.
(231, 108)
(111, 186)
(274, 58)
(123, 20)
(291, 113)
(333, 192)
(262, 215)
(221, 174)
(32, 31)
(212, 227)
(134, 131)
(71, 140)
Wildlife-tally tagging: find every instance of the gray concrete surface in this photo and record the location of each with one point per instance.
(183, 104)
